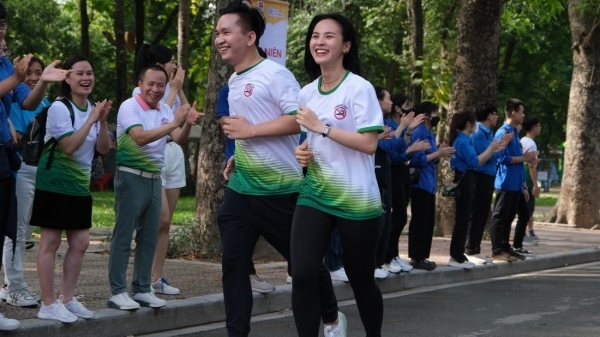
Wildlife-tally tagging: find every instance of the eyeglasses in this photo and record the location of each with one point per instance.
(3, 25)
(5, 52)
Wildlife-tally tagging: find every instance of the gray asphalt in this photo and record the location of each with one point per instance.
(560, 302)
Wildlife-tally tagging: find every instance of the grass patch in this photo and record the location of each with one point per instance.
(103, 210)
(547, 199)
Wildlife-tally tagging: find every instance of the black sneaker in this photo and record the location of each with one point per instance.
(423, 264)
(516, 255)
(29, 245)
(523, 251)
(431, 263)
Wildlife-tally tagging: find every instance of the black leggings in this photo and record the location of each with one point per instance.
(400, 196)
(311, 233)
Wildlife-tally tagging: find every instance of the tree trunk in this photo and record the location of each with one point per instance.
(390, 80)
(85, 28)
(140, 16)
(167, 26)
(121, 54)
(415, 13)
(475, 77)
(579, 199)
(183, 37)
(210, 187)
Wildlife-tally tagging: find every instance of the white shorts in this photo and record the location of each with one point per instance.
(173, 171)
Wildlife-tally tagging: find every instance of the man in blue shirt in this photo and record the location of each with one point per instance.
(509, 183)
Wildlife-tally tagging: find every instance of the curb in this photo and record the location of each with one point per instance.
(179, 314)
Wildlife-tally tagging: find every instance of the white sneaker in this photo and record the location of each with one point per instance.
(464, 265)
(288, 279)
(56, 311)
(8, 324)
(381, 274)
(259, 285)
(393, 267)
(4, 293)
(22, 298)
(122, 301)
(475, 260)
(78, 309)
(149, 300)
(339, 275)
(406, 267)
(337, 330)
(162, 287)
(483, 257)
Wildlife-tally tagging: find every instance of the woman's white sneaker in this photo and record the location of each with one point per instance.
(476, 260)
(465, 265)
(57, 312)
(122, 301)
(162, 287)
(78, 309)
(406, 267)
(381, 274)
(149, 300)
(339, 275)
(392, 267)
(8, 324)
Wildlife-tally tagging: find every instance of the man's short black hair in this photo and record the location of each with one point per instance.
(529, 123)
(483, 110)
(512, 104)
(250, 18)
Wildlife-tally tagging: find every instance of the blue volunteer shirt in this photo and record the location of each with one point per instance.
(393, 147)
(465, 157)
(419, 159)
(18, 95)
(400, 155)
(481, 140)
(21, 117)
(223, 111)
(509, 177)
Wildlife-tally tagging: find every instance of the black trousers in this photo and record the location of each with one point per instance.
(483, 191)
(505, 209)
(385, 228)
(400, 193)
(311, 233)
(461, 218)
(241, 219)
(5, 205)
(524, 213)
(420, 230)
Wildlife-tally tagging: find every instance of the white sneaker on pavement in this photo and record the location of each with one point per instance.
(122, 301)
(149, 300)
(381, 274)
(259, 285)
(465, 265)
(22, 298)
(56, 311)
(339, 275)
(8, 324)
(78, 309)
(406, 267)
(476, 260)
(161, 286)
(288, 279)
(392, 267)
(337, 330)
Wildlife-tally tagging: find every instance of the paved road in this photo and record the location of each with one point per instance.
(560, 302)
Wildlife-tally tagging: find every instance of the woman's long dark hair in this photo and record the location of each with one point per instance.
(149, 55)
(398, 100)
(350, 62)
(459, 122)
(65, 88)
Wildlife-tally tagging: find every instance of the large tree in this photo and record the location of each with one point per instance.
(475, 78)
(121, 92)
(210, 187)
(579, 200)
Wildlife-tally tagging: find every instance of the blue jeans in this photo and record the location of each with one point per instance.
(333, 256)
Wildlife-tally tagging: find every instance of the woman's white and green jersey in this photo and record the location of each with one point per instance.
(341, 181)
(264, 165)
(68, 174)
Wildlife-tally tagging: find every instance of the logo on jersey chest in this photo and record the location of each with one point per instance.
(248, 89)
(164, 121)
(340, 112)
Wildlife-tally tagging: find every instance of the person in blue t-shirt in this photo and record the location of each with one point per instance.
(465, 159)
(420, 230)
(509, 183)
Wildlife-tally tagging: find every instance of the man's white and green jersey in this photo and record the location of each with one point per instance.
(264, 165)
(68, 174)
(341, 181)
(134, 112)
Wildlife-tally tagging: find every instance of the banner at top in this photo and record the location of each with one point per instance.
(274, 40)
